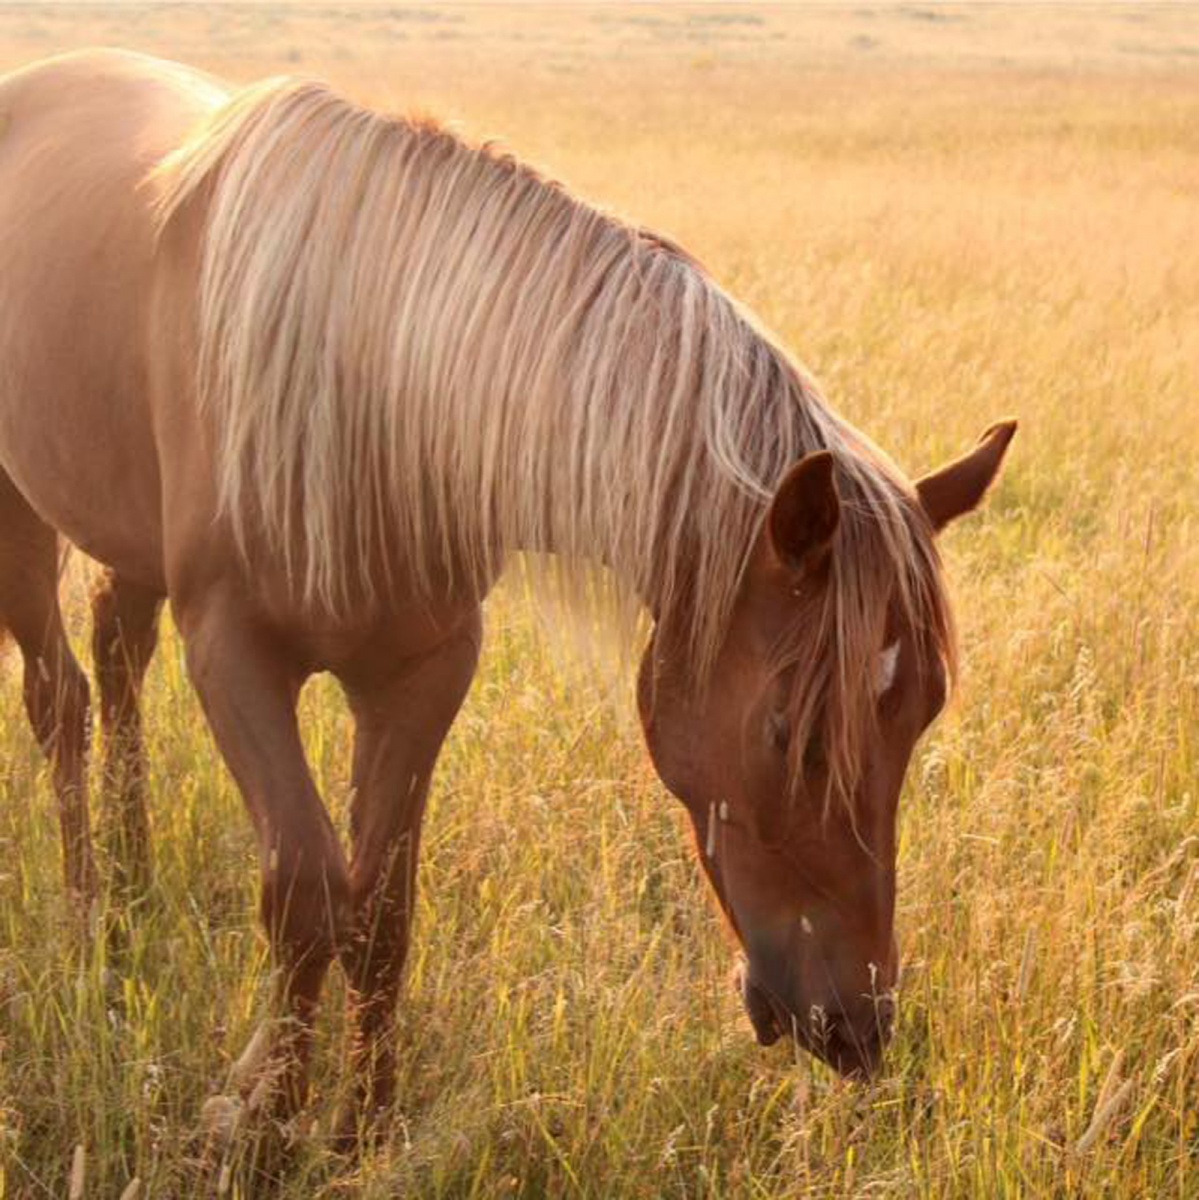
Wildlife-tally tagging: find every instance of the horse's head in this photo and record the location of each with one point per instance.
(791, 772)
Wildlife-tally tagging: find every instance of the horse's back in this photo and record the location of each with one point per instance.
(78, 136)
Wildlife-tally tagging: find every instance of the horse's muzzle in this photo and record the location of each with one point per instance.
(851, 1043)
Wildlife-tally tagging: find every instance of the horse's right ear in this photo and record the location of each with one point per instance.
(959, 487)
(805, 512)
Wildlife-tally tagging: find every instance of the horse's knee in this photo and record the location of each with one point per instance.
(305, 903)
(374, 958)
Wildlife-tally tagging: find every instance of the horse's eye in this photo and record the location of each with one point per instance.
(778, 729)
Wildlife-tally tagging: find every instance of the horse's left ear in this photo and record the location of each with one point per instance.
(805, 512)
(959, 487)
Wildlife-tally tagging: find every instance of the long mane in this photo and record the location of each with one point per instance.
(404, 336)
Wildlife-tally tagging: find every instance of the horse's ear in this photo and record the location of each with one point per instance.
(959, 487)
(804, 512)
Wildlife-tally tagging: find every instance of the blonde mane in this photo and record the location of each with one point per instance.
(405, 339)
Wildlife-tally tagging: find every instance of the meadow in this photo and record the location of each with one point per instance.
(952, 214)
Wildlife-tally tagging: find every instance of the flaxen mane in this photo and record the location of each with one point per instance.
(400, 331)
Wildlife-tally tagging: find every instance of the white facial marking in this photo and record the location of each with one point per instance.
(710, 848)
(887, 669)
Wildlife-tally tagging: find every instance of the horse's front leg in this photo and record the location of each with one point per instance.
(248, 685)
(402, 716)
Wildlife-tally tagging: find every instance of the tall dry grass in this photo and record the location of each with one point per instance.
(951, 218)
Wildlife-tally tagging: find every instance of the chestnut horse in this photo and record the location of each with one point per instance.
(314, 374)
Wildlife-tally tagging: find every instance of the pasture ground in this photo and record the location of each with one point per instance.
(952, 214)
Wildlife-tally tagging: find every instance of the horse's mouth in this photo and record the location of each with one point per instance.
(766, 1015)
(771, 1018)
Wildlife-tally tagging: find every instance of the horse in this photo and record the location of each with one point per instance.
(314, 374)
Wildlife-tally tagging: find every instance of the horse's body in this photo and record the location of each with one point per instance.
(101, 440)
(130, 367)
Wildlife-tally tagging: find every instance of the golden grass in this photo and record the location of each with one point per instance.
(951, 218)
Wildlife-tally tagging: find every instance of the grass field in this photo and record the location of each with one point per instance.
(952, 214)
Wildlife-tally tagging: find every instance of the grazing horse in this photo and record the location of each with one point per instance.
(314, 374)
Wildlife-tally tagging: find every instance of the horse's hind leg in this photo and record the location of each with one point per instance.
(402, 716)
(56, 691)
(124, 635)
